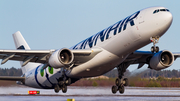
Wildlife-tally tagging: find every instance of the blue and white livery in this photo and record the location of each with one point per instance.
(115, 46)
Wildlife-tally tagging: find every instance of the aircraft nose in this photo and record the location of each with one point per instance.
(156, 21)
(165, 21)
(168, 18)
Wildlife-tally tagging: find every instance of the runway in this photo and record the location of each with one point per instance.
(92, 95)
(20, 93)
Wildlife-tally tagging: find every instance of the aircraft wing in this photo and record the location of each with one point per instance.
(40, 56)
(176, 54)
(143, 57)
(139, 57)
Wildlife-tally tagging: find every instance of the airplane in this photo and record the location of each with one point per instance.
(114, 47)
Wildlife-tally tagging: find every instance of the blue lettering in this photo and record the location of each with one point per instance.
(89, 41)
(112, 28)
(131, 20)
(121, 25)
(101, 35)
(75, 46)
(82, 44)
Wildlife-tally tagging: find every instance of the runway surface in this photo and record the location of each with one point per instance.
(20, 93)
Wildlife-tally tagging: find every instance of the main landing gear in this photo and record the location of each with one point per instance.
(120, 83)
(62, 84)
(154, 48)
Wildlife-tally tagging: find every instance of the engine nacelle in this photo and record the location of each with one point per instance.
(61, 58)
(161, 60)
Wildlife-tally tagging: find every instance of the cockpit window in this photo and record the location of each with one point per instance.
(155, 11)
(160, 10)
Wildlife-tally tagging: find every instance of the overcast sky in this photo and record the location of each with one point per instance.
(54, 24)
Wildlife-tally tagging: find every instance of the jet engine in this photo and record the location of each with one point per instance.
(61, 58)
(161, 60)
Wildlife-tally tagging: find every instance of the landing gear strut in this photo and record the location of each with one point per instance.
(154, 48)
(63, 83)
(120, 82)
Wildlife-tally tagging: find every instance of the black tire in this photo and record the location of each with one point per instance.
(126, 82)
(157, 49)
(68, 82)
(152, 49)
(121, 89)
(118, 82)
(114, 89)
(64, 88)
(56, 88)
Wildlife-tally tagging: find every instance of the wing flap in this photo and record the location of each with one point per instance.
(12, 78)
(26, 56)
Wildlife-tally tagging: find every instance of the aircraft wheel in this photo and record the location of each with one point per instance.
(152, 49)
(64, 88)
(68, 82)
(118, 82)
(121, 89)
(114, 89)
(56, 88)
(157, 49)
(126, 82)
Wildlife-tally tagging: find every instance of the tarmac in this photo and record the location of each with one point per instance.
(91, 94)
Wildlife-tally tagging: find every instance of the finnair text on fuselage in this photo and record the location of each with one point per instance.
(117, 28)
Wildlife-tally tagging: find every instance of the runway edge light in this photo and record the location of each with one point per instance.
(33, 92)
(70, 99)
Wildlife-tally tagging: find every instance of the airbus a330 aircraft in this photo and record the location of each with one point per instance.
(115, 46)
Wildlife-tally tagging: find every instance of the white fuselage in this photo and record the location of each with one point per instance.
(116, 43)
(121, 39)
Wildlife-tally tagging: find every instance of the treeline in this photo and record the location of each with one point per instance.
(10, 71)
(148, 73)
(163, 73)
(114, 73)
(154, 82)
